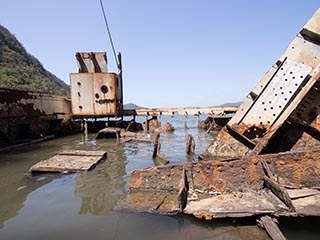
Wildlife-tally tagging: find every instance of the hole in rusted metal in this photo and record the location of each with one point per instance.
(104, 89)
(255, 131)
(97, 95)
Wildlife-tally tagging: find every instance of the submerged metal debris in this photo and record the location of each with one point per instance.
(259, 175)
(69, 161)
(230, 188)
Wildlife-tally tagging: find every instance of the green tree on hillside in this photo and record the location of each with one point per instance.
(22, 71)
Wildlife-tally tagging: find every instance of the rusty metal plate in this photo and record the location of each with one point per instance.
(69, 161)
(278, 93)
(81, 93)
(104, 90)
(93, 94)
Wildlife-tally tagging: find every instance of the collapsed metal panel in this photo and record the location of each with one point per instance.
(277, 94)
(282, 106)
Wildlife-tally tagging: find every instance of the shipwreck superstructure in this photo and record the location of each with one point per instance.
(95, 92)
(282, 111)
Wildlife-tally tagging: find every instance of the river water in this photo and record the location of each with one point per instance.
(79, 206)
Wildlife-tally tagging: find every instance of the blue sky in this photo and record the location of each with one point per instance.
(176, 53)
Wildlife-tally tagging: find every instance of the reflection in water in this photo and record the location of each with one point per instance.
(192, 228)
(101, 188)
(14, 185)
(14, 193)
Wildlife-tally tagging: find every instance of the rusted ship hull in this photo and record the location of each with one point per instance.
(284, 184)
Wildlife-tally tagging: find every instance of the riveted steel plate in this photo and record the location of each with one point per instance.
(81, 93)
(93, 94)
(277, 94)
(104, 90)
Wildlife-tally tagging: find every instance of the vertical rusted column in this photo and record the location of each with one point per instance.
(156, 146)
(146, 129)
(190, 144)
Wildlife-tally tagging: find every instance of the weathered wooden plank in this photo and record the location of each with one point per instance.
(280, 192)
(82, 153)
(240, 204)
(69, 161)
(301, 193)
(308, 205)
(271, 227)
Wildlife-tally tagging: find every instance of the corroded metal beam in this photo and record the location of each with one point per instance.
(229, 188)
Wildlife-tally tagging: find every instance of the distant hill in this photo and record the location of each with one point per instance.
(22, 71)
(235, 104)
(131, 106)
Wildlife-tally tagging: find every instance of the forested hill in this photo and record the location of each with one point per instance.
(22, 71)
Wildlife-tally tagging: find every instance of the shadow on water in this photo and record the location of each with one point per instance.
(101, 188)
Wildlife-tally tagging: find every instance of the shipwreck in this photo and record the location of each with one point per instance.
(263, 163)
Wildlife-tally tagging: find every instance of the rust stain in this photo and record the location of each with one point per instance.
(136, 179)
(204, 215)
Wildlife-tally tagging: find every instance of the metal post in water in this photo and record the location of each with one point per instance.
(185, 122)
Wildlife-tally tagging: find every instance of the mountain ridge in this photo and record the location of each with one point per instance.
(21, 71)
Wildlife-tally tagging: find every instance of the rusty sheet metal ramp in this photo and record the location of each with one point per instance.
(69, 161)
(282, 111)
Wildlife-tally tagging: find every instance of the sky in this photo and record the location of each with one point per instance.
(175, 53)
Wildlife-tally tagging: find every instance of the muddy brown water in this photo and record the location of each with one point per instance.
(79, 206)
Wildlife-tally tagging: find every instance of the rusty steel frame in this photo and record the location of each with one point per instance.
(289, 90)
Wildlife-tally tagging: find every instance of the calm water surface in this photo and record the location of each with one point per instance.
(79, 206)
